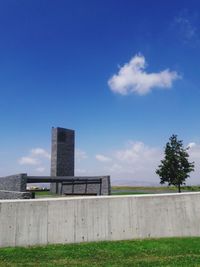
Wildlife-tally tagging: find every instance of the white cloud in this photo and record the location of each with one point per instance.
(37, 161)
(81, 162)
(132, 78)
(194, 152)
(28, 161)
(35, 156)
(40, 152)
(102, 158)
(186, 26)
(135, 162)
(115, 168)
(136, 152)
(191, 145)
(80, 154)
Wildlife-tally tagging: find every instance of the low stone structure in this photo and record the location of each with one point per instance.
(15, 182)
(14, 195)
(14, 187)
(76, 185)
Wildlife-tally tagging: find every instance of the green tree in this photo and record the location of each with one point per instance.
(175, 167)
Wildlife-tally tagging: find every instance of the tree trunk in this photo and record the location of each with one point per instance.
(179, 188)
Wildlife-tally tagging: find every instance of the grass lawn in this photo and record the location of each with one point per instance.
(151, 252)
(133, 190)
(45, 194)
(128, 193)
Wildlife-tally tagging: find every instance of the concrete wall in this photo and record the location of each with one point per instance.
(70, 220)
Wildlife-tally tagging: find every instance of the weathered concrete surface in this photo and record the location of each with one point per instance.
(23, 223)
(70, 220)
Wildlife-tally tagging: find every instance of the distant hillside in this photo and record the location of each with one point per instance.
(131, 182)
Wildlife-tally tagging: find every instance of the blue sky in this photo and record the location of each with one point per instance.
(123, 74)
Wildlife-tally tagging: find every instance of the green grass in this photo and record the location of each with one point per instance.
(151, 252)
(128, 193)
(142, 187)
(133, 190)
(155, 188)
(42, 194)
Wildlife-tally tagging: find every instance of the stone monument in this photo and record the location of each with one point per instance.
(62, 154)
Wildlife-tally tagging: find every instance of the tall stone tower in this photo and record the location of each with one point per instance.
(62, 154)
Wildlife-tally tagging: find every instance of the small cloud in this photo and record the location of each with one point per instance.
(28, 161)
(40, 152)
(80, 154)
(132, 78)
(35, 156)
(115, 168)
(191, 145)
(194, 151)
(137, 152)
(134, 161)
(186, 26)
(102, 158)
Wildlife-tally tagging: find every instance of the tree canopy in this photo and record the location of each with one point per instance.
(175, 167)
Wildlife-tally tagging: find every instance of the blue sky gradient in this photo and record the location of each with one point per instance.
(56, 58)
